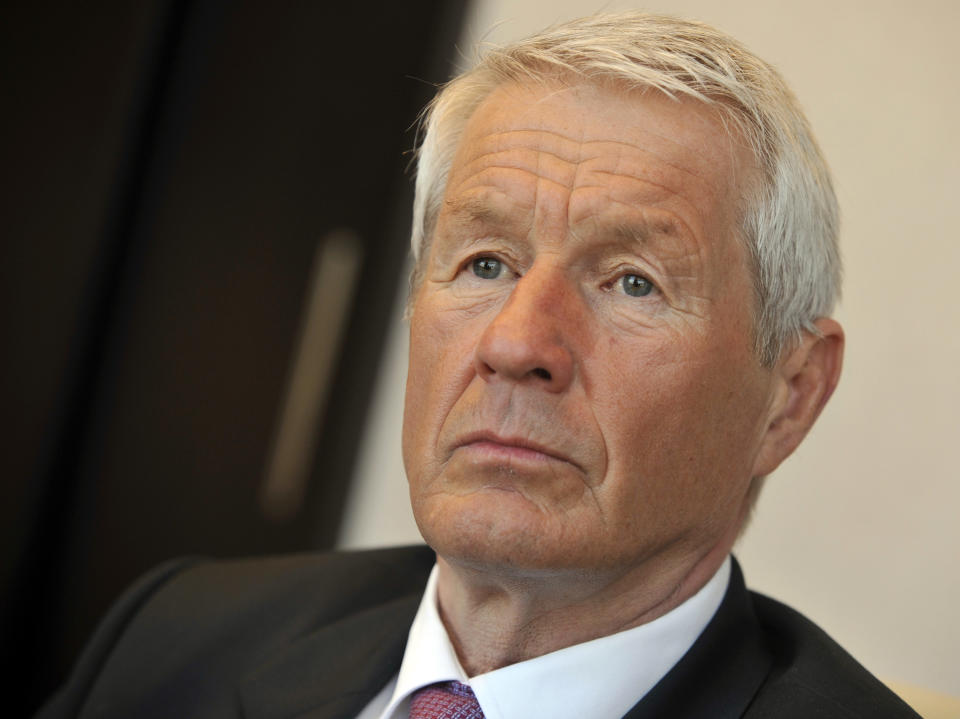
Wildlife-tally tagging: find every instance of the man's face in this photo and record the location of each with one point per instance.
(583, 390)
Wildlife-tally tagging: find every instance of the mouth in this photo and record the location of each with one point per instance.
(493, 446)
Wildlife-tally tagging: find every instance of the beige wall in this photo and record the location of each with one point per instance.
(861, 529)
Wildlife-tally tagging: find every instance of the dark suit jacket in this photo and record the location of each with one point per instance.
(317, 636)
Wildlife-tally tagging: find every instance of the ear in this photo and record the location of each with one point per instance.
(805, 378)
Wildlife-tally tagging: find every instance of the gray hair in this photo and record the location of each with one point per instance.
(790, 220)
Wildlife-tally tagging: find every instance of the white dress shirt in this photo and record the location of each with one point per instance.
(601, 679)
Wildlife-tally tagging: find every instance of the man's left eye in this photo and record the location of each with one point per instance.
(487, 268)
(636, 285)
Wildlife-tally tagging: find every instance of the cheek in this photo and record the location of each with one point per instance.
(417, 398)
(440, 367)
(674, 419)
(647, 425)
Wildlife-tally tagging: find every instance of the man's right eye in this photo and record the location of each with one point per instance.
(487, 268)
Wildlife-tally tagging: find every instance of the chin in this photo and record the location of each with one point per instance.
(506, 534)
(479, 528)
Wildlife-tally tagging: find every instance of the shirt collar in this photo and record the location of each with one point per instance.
(563, 683)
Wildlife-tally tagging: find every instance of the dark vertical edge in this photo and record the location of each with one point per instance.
(35, 603)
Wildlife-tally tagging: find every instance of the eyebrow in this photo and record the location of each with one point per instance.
(635, 231)
(638, 231)
(482, 210)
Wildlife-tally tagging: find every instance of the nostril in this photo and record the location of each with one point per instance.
(542, 373)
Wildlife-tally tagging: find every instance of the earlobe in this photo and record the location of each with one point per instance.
(806, 378)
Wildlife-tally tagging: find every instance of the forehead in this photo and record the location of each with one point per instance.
(593, 147)
(606, 111)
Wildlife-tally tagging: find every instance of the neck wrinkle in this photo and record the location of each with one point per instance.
(495, 621)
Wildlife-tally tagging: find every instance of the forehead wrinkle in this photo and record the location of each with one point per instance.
(577, 150)
(527, 159)
(477, 171)
(563, 147)
(631, 163)
(543, 212)
(504, 140)
(522, 198)
(635, 192)
(510, 151)
(618, 172)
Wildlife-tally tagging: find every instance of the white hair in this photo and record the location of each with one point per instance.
(790, 219)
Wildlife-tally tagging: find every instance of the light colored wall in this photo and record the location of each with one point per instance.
(860, 530)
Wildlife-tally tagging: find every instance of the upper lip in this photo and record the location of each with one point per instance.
(486, 436)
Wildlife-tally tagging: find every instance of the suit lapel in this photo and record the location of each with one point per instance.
(335, 671)
(720, 674)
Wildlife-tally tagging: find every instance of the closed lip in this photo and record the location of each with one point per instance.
(519, 442)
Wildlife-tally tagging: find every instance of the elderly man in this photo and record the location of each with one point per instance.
(619, 325)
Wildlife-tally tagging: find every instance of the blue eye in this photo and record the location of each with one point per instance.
(487, 268)
(636, 286)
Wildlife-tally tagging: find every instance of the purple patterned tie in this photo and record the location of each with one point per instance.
(446, 700)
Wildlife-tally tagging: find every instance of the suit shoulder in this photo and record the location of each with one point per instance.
(330, 584)
(812, 675)
(191, 629)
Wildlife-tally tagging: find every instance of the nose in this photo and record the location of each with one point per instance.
(530, 339)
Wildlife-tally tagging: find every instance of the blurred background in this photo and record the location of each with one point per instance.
(204, 222)
(204, 226)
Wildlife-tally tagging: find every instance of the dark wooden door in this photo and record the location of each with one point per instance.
(177, 176)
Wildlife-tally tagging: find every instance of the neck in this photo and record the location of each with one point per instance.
(496, 618)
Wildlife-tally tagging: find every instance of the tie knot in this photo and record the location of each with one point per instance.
(446, 700)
